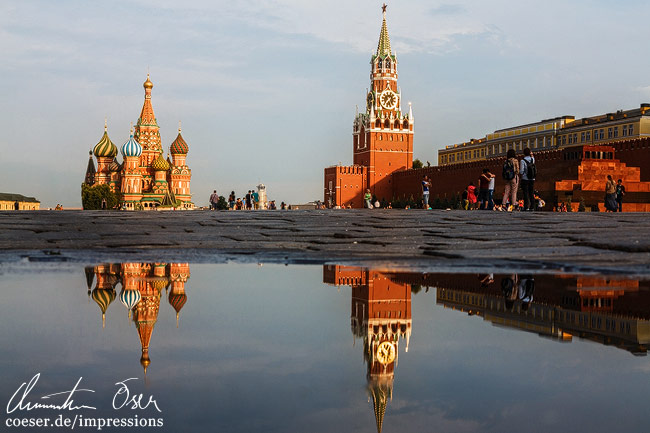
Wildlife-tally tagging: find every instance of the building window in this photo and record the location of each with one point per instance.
(570, 139)
(583, 137)
(602, 134)
(624, 130)
(588, 135)
(631, 130)
(610, 133)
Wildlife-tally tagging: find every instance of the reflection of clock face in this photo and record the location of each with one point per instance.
(388, 99)
(386, 352)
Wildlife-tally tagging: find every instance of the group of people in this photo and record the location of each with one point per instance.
(515, 174)
(614, 193)
(251, 201)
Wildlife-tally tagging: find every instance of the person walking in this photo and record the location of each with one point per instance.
(483, 188)
(214, 199)
(620, 192)
(510, 175)
(528, 172)
(249, 205)
(471, 196)
(610, 195)
(256, 200)
(426, 185)
(367, 197)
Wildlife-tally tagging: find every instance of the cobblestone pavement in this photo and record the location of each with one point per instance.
(593, 242)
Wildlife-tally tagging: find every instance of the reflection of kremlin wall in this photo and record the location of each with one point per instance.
(381, 316)
(142, 286)
(145, 179)
(610, 311)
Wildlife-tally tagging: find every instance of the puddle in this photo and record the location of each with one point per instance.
(245, 347)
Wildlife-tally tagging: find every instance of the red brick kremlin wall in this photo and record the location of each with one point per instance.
(552, 166)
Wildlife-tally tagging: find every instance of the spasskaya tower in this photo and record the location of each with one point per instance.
(382, 136)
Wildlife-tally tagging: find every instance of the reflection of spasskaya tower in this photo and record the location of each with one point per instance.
(381, 316)
(382, 136)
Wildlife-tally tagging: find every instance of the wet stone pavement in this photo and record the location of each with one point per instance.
(413, 239)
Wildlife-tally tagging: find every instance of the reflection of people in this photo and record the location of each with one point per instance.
(486, 279)
(526, 290)
(509, 290)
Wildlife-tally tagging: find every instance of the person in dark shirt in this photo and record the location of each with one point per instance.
(620, 192)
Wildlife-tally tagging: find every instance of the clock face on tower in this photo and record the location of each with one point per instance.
(386, 353)
(388, 99)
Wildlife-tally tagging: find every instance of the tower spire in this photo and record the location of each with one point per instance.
(383, 47)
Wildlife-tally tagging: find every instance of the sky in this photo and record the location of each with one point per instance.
(266, 89)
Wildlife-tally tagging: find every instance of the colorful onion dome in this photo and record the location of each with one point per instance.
(148, 84)
(103, 298)
(179, 146)
(130, 298)
(177, 301)
(105, 147)
(114, 166)
(159, 164)
(131, 147)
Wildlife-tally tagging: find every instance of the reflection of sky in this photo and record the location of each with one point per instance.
(270, 348)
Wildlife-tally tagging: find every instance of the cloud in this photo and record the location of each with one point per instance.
(447, 9)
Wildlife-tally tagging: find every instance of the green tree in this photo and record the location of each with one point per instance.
(417, 163)
(222, 204)
(92, 196)
(569, 208)
(581, 207)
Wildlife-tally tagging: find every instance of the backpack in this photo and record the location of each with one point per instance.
(508, 172)
(531, 170)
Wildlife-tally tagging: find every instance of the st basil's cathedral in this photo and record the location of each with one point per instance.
(145, 179)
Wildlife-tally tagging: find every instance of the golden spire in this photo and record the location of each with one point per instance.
(383, 47)
(148, 84)
(105, 124)
(179, 126)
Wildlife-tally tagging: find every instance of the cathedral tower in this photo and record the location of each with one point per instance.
(147, 133)
(131, 175)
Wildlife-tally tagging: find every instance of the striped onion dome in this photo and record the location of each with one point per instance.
(130, 298)
(131, 148)
(103, 298)
(105, 147)
(179, 146)
(159, 164)
(177, 301)
(114, 166)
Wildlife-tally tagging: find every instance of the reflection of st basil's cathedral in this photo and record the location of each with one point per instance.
(144, 179)
(380, 316)
(142, 286)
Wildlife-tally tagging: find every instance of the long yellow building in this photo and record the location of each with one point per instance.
(551, 134)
